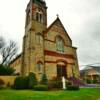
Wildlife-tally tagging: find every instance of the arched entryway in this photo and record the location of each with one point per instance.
(61, 70)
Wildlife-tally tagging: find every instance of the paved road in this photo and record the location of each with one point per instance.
(90, 86)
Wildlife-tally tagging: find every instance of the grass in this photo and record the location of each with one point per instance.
(82, 94)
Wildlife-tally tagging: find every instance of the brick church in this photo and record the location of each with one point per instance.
(46, 50)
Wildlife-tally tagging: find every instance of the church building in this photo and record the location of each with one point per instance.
(46, 50)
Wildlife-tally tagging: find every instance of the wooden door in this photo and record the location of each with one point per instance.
(61, 71)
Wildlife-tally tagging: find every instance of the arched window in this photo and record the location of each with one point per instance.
(59, 44)
(39, 67)
(28, 17)
(39, 16)
(39, 38)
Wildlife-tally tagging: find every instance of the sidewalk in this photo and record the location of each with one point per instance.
(90, 86)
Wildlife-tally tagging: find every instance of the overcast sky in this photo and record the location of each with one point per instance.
(81, 18)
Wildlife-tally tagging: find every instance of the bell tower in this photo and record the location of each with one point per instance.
(36, 12)
(33, 43)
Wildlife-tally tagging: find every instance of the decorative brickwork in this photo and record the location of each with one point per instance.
(56, 54)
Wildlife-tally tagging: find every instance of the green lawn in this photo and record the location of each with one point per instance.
(82, 94)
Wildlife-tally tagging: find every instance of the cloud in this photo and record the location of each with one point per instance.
(89, 40)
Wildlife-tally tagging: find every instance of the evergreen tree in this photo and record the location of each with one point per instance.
(44, 79)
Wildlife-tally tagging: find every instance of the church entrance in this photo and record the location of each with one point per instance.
(61, 71)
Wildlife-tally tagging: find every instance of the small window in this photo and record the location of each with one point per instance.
(37, 18)
(40, 17)
(39, 67)
(39, 38)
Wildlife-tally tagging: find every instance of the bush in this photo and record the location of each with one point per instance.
(44, 79)
(32, 81)
(68, 83)
(58, 84)
(41, 88)
(88, 81)
(94, 81)
(55, 83)
(1, 83)
(72, 87)
(25, 82)
(21, 83)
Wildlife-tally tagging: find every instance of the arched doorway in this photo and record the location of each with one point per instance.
(61, 70)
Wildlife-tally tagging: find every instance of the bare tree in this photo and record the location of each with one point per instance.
(2, 42)
(8, 52)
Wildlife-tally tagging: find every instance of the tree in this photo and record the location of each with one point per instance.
(7, 50)
(44, 79)
(32, 80)
(21, 82)
(25, 82)
(6, 70)
(2, 42)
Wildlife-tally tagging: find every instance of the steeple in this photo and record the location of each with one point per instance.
(39, 1)
(36, 11)
(36, 24)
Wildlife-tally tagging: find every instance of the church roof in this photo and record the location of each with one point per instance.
(57, 20)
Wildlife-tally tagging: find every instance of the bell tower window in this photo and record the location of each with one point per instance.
(39, 16)
(36, 11)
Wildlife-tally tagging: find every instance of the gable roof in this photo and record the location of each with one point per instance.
(57, 20)
(96, 68)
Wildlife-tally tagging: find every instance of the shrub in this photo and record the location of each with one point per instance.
(94, 81)
(21, 83)
(32, 81)
(68, 83)
(72, 87)
(58, 84)
(55, 83)
(44, 79)
(1, 83)
(88, 81)
(41, 88)
(25, 82)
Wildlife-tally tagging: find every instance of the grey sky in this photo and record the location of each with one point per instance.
(81, 18)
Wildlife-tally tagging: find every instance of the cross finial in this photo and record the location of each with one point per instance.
(57, 15)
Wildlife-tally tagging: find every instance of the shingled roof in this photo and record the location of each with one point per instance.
(84, 71)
